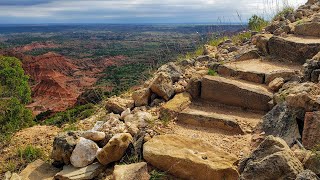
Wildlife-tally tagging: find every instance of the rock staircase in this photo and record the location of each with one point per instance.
(232, 103)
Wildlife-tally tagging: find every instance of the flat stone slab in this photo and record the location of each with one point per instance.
(72, 173)
(235, 93)
(229, 120)
(39, 170)
(190, 158)
(294, 48)
(256, 70)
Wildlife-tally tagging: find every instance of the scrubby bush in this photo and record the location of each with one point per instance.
(257, 23)
(15, 93)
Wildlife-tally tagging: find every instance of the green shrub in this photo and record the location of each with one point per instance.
(71, 115)
(257, 23)
(212, 72)
(14, 94)
(284, 12)
(30, 153)
(239, 38)
(216, 41)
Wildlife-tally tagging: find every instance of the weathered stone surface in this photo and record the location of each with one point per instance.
(313, 163)
(311, 130)
(308, 29)
(115, 148)
(139, 119)
(137, 171)
(251, 54)
(84, 153)
(172, 70)
(209, 49)
(261, 41)
(125, 113)
(281, 121)
(94, 135)
(235, 93)
(276, 84)
(162, 86)
(307, 175)
(112, 126)
(273, 159)
(141, 97)
(177, 104)
(189, 158)
(285, 74)
(300, 95)
(293, 48)
(194, 87)
(15, 176)
(73, 173)
(63, 146)
(203, 58)
(118, 105)
(39, 170)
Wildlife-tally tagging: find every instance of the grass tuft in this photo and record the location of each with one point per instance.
(30, 153)
(212, 72)
(157, 175)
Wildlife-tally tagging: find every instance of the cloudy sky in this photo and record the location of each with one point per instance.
(135, 11)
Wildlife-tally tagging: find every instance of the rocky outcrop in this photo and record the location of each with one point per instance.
(189, 158)
(282, 122)
(115, 148)
(311, 69)
(137, 171)
(273, 159)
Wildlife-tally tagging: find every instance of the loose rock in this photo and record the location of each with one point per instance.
(137, 171)
(84, 153)
(115, 148)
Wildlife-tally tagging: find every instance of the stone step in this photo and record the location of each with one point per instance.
(308, 29)
(236, 93)
(294, 48)
(260, 71)
(225, 119)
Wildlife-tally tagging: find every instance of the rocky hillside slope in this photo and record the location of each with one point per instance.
(255, 115)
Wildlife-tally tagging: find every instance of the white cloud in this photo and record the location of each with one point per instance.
(137, 10)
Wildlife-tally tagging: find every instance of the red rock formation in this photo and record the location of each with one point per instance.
(57, 81)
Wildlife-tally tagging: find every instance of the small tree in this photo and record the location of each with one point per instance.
(257, 23)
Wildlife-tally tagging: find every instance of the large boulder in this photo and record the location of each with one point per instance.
(189, 158)
(162, 85)
(141, 97)
(308, 29)
(137, 171)
(118, 105)
(38, 170)
(115, 148)
(63, 145)
(176, 104)
(281, 121)
(311, 130)
(73, 173)
(84, 153)
(273, 159)
(172, 70)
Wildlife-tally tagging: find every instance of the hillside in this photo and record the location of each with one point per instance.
(247, 108)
